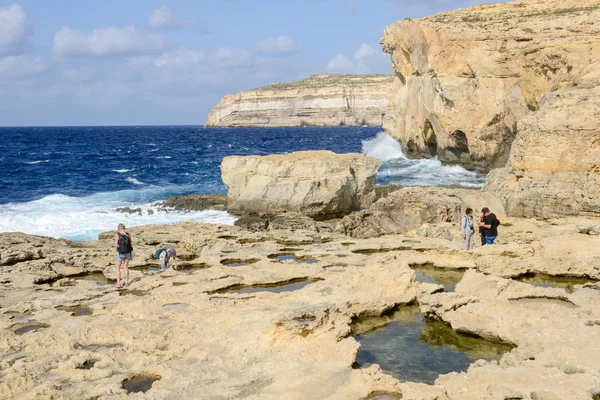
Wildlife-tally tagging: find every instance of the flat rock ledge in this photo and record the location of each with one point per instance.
(64, 336)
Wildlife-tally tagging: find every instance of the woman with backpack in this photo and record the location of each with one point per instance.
(124, 246)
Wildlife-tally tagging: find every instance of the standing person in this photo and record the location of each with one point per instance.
(124, 246)
(481, 229)
(489, 225)
(165, 256)
(467, 229)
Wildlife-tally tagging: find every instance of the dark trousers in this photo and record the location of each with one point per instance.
(482, 240)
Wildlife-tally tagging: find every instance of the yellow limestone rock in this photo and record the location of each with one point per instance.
(464, 79)
(316, 183)
(321, 100)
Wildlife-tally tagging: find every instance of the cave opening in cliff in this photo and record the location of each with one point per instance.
(430, 138)
(460, 148)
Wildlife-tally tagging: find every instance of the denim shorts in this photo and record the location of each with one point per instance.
(490, 239)
(124, 256)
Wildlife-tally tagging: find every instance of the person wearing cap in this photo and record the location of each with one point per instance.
(165, 257)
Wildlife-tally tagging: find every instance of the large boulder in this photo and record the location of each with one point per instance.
(320, 184)
(554, 166)
(409, 208)
(465, 78)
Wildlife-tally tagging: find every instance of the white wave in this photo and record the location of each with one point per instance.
(83, 218)
(383, 147)
(397, 169)
(134, 181)
(163, 157)
(37, 162)
(122, 171)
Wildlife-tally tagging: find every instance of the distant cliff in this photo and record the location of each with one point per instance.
(320, 100)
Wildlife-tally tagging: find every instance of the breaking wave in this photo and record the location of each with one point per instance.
(83, 218)
(397, 169)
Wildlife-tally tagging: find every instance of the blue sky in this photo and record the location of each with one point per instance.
(148, 62)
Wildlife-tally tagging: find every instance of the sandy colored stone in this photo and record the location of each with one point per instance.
(320, 100)
(549, 358)
(409, 208)
(294, 345)
(554, 165)
(465, 78)
(316, 183)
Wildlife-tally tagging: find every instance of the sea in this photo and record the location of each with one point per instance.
(67, 182)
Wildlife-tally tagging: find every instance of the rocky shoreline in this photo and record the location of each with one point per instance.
(272, 307)
(268, 309)
(191, 325)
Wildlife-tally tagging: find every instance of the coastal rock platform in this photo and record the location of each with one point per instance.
(268, 315)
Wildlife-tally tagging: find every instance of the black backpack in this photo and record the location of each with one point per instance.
(124, 245)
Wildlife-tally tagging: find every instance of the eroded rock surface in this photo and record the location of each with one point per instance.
(554, 165)
(465, 78)
(321, 100)
(409, 208)
(319, 184)
(550, 361)
(204, 340)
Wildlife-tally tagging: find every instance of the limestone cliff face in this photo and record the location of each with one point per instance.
(321, 100)
(464, 79)
(554, 165)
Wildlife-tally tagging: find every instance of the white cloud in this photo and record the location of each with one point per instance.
(181, 57)
(280, 45)
(163, 18)
(364, 51)
(107, 42)
(367, 60)
(340, 63)
(20, 67)
(227, 57)
(14, 29)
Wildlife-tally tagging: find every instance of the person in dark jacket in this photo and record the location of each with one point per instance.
(489, 225)
(481, 229)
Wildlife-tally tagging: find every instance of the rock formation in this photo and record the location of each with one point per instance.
(464, 79)
(554, 165)
(320, 184)
(409, 208)
(65, 336)
(321, 100)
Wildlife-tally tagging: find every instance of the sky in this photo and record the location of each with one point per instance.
(168, 62)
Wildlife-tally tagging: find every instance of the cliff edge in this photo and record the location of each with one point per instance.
(320, 100)
(464, 79)
(513, 88)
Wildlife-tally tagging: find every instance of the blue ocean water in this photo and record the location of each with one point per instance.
(67, 181)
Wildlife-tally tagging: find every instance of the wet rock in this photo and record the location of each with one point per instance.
(128, 210)
(195, 202)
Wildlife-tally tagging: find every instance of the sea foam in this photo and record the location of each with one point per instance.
(383, 147)
(83, 218)
(134, 181)
(397, 169)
